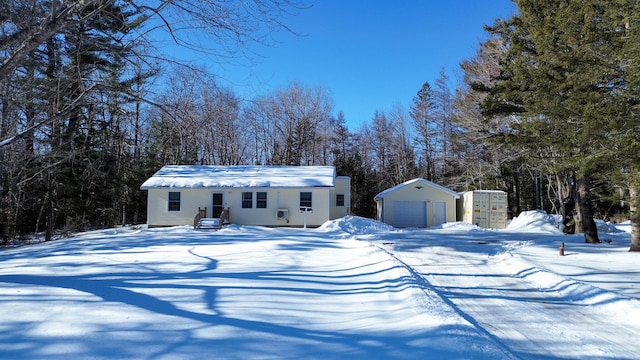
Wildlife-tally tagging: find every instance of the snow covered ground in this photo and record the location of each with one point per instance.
(353, 288)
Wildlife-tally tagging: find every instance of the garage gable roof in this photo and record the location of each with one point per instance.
(205, 176)
(417, 182)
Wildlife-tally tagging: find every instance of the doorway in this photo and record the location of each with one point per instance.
(439, 213)
(217, 205)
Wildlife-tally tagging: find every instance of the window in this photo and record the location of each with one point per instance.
(247, 200)
(339, 199)
(305, 200)
(261, 200)
(174, 201)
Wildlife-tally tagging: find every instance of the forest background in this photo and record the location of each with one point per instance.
(89, 108)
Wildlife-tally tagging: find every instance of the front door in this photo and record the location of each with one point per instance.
(217, 205)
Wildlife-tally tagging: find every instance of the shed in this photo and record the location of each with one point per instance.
(484, 208)
(246, 195)
(416, 203)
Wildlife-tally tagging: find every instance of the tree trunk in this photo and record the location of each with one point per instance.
(584, 220)
(48, 233)
(568, 186)
(634, 204)
(517, 187)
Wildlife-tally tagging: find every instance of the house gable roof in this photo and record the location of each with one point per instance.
(206, 176)
(417, 182)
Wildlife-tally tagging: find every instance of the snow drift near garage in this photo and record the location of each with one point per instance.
(353, 288)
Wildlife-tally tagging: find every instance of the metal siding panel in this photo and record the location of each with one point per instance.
(409, 214)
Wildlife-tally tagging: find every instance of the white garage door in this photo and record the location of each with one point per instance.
(409, 214)
(439, 213)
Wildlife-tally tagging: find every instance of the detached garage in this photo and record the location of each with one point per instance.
(416, 203)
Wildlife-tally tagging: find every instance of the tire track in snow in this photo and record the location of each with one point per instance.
(426, 285)
(523, 318)
(586, 297)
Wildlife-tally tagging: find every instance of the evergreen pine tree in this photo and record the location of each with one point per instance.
(561, 71)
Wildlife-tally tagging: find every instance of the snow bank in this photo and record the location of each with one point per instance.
(536, 221)
(606, 227)
(355, 225)
(541, 222)
(623, 227)
(458, 227)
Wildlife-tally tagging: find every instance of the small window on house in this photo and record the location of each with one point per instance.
(247, 200)
(305, 199)
(174, 201)
(339, 199)
(261, 200)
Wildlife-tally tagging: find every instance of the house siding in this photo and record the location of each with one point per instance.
(192, 199)
(288, 199)
(158, 213)
(342, 186)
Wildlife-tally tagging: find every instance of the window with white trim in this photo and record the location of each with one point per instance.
(247, 200)
(261, 200)
(174, 201)
(306, 199)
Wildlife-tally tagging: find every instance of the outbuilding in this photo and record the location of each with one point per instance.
(246, 195)
(416, 203)
(484, 208)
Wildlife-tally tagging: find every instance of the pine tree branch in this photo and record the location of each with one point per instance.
(28, 39)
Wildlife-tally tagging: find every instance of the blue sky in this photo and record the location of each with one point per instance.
(368, 55)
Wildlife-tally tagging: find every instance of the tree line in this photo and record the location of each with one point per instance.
(546, 110)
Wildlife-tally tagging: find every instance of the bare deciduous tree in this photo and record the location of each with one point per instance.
(286, 125)
(229, 27)
(71, 73)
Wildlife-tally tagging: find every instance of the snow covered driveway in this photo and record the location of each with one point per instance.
(531, 312)
(351, 289)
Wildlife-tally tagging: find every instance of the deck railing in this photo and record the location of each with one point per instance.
(202, 213)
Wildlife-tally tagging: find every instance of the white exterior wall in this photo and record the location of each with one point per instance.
(485, 208)
(190, 199)
(411, 193)
(277, 198)
(288, 199)
(343, 186)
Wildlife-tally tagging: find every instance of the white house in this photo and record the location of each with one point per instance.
(416, 203)
(249, 195)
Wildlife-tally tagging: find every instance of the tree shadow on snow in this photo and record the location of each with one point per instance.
(156, 290)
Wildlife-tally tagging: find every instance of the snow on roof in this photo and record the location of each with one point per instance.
(204, 176)
(412, 182)
(482, 191)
